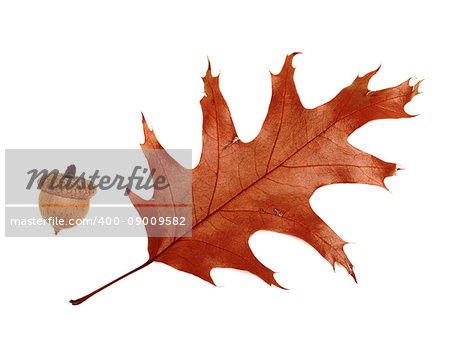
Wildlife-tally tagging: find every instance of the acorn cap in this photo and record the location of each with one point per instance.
(67, 185)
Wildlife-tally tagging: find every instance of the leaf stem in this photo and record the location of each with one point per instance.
(82, 299)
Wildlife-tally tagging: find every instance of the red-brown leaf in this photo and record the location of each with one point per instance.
(240, 188)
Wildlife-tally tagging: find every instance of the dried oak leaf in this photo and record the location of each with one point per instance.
(240, 188)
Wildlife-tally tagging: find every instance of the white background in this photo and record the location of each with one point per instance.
(78, 74)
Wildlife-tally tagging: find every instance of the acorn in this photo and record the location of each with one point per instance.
(64, 198)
